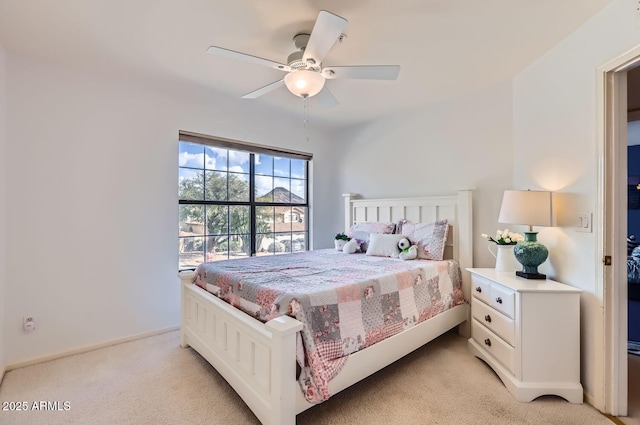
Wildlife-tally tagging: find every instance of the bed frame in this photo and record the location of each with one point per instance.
(258, 359)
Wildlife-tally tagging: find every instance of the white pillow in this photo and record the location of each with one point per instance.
(384, 245)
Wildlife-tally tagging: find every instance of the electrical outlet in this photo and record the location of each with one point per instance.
(28, 323)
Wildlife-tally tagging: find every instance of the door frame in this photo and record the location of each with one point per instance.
(611, 228)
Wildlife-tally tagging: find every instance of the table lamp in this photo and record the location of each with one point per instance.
(531, 208)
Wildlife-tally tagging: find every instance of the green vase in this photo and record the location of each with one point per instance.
(530, 253)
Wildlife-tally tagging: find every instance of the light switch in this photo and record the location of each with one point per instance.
(584, 222)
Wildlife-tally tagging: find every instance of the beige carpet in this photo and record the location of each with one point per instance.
(154, 381)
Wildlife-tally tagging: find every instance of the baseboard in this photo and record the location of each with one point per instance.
(613, 419)
(85, 349)
(2, 370)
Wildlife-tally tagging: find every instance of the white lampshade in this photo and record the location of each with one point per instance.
(530, 207)
(304, 83)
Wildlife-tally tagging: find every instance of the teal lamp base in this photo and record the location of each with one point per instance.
(530, 253)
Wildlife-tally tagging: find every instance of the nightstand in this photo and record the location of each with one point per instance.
(528, 331)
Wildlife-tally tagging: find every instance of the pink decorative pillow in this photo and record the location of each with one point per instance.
(362, 231)
(429, 237)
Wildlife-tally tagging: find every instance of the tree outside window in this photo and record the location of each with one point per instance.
(235, 204)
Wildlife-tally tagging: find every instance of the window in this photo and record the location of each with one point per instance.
(237, 200)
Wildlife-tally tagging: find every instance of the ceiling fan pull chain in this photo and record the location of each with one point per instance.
(306, 117)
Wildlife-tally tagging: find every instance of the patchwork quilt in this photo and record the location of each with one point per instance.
(345, 302)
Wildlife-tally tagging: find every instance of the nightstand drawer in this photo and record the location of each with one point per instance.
(481, 289)
(494, 321)
(497, 296)
(503, 299)
(495, 346)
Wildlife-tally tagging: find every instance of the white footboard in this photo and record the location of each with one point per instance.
(256, 359)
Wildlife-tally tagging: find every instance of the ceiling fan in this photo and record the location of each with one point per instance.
(305, 74)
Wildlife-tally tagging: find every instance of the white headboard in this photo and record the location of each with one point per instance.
(456, 208)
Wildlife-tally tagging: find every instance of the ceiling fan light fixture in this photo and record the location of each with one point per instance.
(304, 83)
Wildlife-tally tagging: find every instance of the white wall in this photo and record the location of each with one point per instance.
(439, 148)
(92, 199)
(555, 148)
(3, 206)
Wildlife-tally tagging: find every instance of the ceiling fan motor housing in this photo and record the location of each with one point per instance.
(295, 60)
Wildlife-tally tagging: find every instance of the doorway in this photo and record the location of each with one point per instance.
(633, 241)
(612, 228)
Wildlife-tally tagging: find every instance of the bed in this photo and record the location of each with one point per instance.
(258, 358)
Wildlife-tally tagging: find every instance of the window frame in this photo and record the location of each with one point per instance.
(253, 150)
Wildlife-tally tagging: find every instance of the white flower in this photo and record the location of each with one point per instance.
(504, 237)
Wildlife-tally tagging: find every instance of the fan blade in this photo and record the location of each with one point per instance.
(264, 90)
(365, 72)
(325, 33)
(326, 98)
(219, 51)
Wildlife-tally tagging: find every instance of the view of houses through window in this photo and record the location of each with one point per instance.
(235, 203)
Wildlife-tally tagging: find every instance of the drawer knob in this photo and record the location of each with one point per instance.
(487, 342)
(499, 300)
(487, 318)
(478, 289)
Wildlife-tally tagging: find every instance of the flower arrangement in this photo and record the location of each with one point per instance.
(342, 237)
(504, 237)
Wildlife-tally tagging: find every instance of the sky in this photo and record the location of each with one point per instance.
(270, 171)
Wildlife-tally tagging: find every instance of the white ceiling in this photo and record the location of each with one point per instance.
(445, 47)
